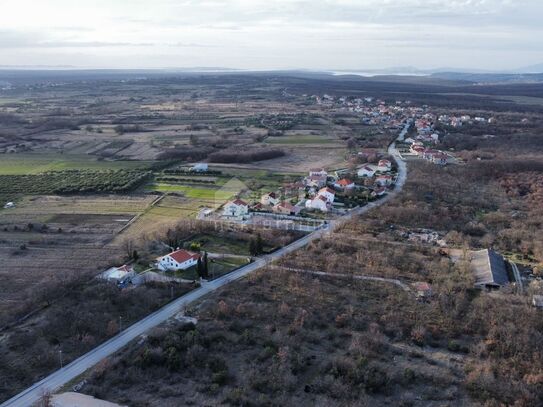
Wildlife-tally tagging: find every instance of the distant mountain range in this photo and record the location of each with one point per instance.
(410, 70)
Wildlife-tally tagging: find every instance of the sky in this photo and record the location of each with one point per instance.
(272, 34)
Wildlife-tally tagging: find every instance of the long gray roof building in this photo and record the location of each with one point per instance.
(489, 269)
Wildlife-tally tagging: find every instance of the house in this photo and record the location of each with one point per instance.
(429, 153)
(416, 149)
(537, 301)
(200, 167)
(317, 181)
(286, 208)
(9, 205)
(344, 184)
(379, 192)
(328, 193)
(383, 180)
(366, 171)
(488, 268)
(439, 158)
(319, 202)
(269, 199)
(384, 166)
(258, 207)
(236, 208)
(422, 289)
(118, 273)
(317, 172)
(178, 260)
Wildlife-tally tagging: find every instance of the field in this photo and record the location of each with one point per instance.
(24, 164)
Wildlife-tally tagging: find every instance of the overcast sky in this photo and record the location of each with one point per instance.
(272, 34)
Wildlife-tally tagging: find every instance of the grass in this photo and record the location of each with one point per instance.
(217, 244)
(193, 192)
(29, 163)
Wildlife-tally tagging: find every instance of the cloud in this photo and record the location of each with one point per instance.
(274, 34)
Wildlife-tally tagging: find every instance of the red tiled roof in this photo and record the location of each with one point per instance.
(239, 202)
(286, 205)
(422, 286)
(327, 189)
(344, 182)
(182, 255)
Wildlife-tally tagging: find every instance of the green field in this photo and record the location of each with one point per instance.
(192, 191)
(29, 163)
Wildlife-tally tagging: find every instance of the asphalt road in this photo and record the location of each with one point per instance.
(62, 376)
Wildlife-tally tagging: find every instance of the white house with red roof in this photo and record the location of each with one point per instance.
(383, 180)
(236, 208)
(379, 191)
(416, 149)
(344, 184)
(384, 166)
(440, 158)
(319, 202)
(269, 199)
(178, 260)
(286, 208)
(366, 171)
(328, 193)
(316, 181)
(317, 172)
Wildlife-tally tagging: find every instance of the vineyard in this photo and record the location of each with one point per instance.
(74, 181)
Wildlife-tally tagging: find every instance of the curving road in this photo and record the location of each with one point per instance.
(62, 376)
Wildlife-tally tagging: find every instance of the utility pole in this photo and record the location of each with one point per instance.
(60, 357)
(120, 323)
(171, 291)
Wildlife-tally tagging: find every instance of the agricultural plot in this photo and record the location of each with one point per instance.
(23, 164)
(70, 182)
(166, 213)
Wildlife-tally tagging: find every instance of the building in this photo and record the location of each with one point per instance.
(118, 273)
(200, 167)
(379, 192)
(328, 193)
(366, 171)
(178, 260)
(236, 209)
(317, 181)
(269, 199)
(537, 301)
(318, 172)
(416, 149)
(319, 203)
(422, 289)
(383, 180)
(344, 184)
(384, 166)
(488, 268)
(286, 208)
(439, 158)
